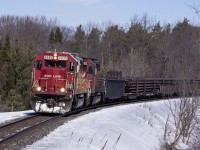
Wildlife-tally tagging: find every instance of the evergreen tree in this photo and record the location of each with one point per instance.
(25, 72)
(7, 62)
(156, 54)
(51, 40)
(58, 36)
(94, 37)
(1, 48)
(114, 42)
(93, 43)
(6, 49)
(7, 43)
(18, 83)
(55, 39)
(14, 100)
(80, 40)
(1, 54)
(137, 36)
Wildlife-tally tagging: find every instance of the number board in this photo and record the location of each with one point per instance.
(48, 57)
(62, 58)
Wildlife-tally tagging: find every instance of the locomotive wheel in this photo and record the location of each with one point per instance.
(68, 105)
(78, 101)
(87, 100)
(103, 100)
(96, 98)
(33, 103)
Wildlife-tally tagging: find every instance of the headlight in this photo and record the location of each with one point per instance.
(38, 88)
(62, 90)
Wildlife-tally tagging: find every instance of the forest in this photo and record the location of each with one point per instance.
(141, 48)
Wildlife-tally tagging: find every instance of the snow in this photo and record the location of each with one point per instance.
(44, 108)
(5, 116)
(124, 127)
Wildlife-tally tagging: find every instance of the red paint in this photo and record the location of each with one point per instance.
(56, 72)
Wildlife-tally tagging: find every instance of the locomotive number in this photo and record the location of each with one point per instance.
(48, 57)
(62, 58)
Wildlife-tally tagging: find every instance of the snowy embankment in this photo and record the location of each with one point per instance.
(125, 127)
(6, 116)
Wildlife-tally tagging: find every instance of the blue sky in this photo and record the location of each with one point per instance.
(75, 12)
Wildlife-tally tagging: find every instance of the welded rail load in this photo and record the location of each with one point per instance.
(160, 86)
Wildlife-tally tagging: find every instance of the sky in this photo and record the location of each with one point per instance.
(75, 12)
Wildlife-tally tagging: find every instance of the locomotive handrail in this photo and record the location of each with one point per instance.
(61, 79)
(44, 78)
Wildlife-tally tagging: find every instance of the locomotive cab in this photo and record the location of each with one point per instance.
(97, 94)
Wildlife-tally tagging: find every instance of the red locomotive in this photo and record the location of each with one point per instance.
(63, 81)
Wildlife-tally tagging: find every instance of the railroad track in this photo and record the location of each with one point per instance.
(24, 132)
(11, 128)
(11, 134)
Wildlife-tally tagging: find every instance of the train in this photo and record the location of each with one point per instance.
(63, 81)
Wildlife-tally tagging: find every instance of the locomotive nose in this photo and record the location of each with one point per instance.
(52, 82)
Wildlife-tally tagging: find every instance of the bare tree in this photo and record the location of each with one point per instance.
(181, 123)
(194, 7)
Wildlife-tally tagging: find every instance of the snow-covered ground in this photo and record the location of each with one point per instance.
(5, 116)
(126, 127)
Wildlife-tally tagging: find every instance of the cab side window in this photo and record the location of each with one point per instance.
(39, 64)
(81, 67)
(84, 66)
(90, 70)
(71, 66)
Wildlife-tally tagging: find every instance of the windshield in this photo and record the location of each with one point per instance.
(59, 64)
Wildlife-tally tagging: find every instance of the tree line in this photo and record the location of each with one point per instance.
(143, 48)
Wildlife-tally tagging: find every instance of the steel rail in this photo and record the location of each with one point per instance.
(3, 141)
(18, 121)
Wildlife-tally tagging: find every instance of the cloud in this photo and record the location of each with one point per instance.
(84, 2)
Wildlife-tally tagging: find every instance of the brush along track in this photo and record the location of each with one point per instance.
(39, 130)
